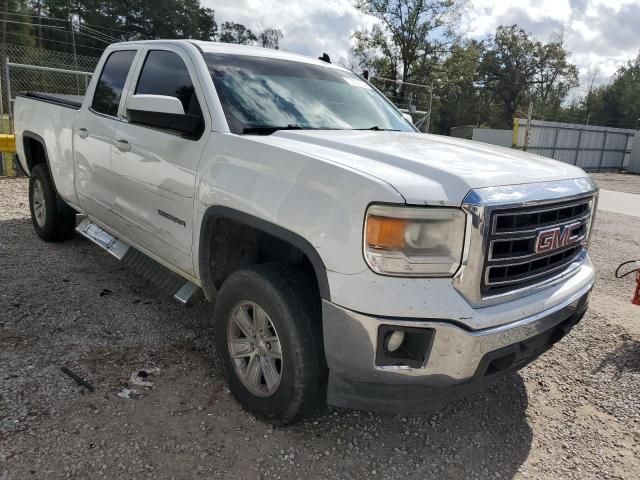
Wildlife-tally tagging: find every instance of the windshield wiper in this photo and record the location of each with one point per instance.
(378, 129)
(269, 129)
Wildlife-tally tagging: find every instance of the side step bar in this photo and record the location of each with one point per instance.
(182, 290)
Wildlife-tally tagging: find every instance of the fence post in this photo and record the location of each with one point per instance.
(575, 162)
(604, 143)
(2, 156)
(526, 132)
(8, 86)
(555, 143)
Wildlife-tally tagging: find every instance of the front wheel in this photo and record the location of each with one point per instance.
(269, 340)
(48, 222)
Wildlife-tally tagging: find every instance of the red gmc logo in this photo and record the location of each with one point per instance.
(557, 237)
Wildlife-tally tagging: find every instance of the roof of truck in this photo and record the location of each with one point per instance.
(217, 47)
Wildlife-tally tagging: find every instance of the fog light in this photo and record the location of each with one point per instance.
(394, 341)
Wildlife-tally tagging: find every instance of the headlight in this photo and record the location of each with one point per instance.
(414, 241)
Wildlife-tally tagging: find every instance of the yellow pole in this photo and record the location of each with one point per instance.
(8, 145)
(514, 139)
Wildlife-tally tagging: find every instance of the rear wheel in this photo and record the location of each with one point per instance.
(268, 337)
(48, 222)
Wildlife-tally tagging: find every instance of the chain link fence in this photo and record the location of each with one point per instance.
(22, 79)
(27, 68)
(413, 98)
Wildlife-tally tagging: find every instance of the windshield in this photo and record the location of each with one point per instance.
(261, 95)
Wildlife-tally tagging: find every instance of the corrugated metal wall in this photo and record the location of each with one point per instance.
(586, 146)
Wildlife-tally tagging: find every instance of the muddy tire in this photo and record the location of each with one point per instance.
(269, 340)
(48, 222)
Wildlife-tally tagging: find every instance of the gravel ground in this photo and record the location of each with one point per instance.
(574, 413)
(622, 182)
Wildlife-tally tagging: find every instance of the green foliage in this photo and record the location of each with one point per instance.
(88, 26)
(270, 38)
(616, 104)
(410, 35)
(236, 33)
(516, 69)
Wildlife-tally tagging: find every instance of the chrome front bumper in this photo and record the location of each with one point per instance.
(458, 360)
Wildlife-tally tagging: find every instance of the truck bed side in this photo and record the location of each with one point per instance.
(48, 120)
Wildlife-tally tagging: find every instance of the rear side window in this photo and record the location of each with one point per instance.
(164, 73)
(111, 82)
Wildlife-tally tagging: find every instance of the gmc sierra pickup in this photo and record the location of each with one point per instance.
(351, 259)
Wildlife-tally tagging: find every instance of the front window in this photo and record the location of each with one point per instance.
(261, 95)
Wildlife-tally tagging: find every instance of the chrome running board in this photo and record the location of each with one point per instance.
(182, 290)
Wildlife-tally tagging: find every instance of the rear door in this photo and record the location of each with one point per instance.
(156, 168)
(93, 134)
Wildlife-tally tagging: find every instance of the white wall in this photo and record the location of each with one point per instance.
(493, 136)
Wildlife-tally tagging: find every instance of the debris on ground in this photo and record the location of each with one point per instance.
(139, 377)
(128, 393)
(79, 380)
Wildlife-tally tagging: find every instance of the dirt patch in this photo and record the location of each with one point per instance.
(621, 182)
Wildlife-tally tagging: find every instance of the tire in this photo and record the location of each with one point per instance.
(293, 312)
(48, 222)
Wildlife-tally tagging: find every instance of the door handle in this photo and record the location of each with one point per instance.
(83, 132)
(123, 145)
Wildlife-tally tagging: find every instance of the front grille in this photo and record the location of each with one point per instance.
(530, 245)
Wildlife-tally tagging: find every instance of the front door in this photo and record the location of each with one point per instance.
(155, 168)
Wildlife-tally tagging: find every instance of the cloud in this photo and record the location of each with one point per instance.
(596, 32)
(310, 27)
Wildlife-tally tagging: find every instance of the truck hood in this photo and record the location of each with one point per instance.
(424, 168)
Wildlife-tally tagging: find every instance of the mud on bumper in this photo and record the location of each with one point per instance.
(447, 360)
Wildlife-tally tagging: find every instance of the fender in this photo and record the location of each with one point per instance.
(219, 211)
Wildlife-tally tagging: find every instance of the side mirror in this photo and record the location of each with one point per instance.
(162, 111)
(408, 117)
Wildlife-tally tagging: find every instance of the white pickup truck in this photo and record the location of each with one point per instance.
(351, 259)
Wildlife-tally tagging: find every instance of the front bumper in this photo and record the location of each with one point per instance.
(458, 360)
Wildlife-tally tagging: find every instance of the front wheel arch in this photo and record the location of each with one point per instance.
(262, 242)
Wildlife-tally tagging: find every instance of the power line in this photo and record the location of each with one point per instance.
(95, 38)
(54, 41)
(63, 21)
(32, 25)
(110, 37)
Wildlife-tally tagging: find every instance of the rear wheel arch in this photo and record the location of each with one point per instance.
(231, 240)
(35, 153)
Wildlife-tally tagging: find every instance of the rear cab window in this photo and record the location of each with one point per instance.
(106, 97)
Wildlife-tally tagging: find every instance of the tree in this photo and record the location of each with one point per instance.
(270, 38)
(460, 99)
(618, 104)
(412, 33)
(516, 68)
(236, 33)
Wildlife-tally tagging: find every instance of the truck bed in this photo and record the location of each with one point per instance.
(69, 101)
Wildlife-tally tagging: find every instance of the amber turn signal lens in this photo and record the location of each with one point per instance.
(386, 233)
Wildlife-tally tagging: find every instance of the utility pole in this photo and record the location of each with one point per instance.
(430, 104)
(39, 13)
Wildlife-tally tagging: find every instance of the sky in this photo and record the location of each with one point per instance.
(598, 33)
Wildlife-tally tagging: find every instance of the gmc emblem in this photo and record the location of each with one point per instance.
(557, 237)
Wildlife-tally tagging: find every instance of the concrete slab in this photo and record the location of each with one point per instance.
(619, 202)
